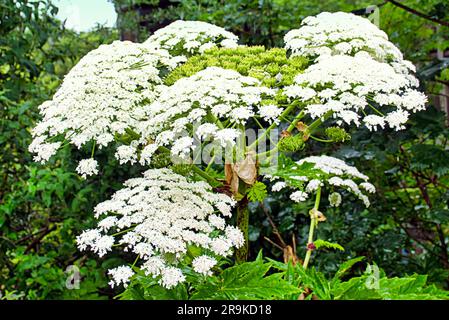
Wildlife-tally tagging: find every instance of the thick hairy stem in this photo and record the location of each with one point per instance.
(241, 255)
(313, 223)
(295, 121)
(211, 180)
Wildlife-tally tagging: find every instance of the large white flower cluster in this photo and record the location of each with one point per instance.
(356, 75)
(340, 33)
(158, 217)
(191, 37)
(189, 109)
(100, 97)
(358, 90)
(328, 172)
(357, 72)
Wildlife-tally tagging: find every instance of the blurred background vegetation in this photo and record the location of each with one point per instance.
(43, 208)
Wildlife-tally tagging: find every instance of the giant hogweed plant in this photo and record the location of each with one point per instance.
(184, 105)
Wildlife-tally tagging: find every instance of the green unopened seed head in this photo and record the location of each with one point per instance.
(337, 134)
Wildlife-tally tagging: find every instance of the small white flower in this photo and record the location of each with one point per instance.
(107, 223)
(227, 136)
(182, 147)
(220, 246)
(204, 264)
(88, 239)
(299, 196)
(397, 119)
(313, 185)
(120, 275)
(171, 277)
(147, 153)
(103, 245)
(217, 222)
(206, 46)
(270, 113)
(333, 166)
(278, 186)
(87, 167)
(372, 122)
(368, 187)
(235, 236)
(43, 150)
(206, 130)
(229, 43)
(126, 154)
(153, 266)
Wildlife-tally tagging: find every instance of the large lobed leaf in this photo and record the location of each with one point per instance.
(246, 281)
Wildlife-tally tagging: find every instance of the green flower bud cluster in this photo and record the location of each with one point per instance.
(271, 67)
(160, 160)
(182, 169)
(337, 134)
(292, 143)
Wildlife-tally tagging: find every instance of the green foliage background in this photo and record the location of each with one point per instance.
(43, 208)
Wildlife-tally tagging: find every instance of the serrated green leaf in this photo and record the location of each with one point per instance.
(246, 281)
(329, 245)
(257, 192)
(345, 266)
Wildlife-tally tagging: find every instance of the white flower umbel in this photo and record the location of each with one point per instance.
(43, 151)
(204, 264)
(158, 217)
(357, 90)
(333, 166)
(341, 33)
(299, 196)
(100, 97)
(322, 172)
(278, 186)
(191, 37)
(120, 275)
(189, 110)
(87, 167)
(270, 113)
(171, 276)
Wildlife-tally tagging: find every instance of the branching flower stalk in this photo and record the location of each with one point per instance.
(311, 128)
(274, 125)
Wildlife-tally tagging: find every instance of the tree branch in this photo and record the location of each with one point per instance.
(273, 225)
(37, 240)
(418, 13)
(446, 83)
